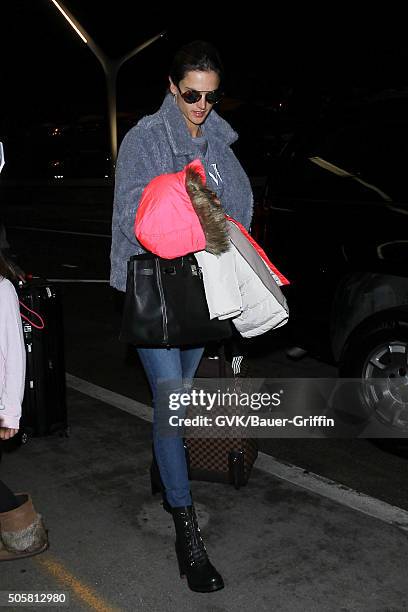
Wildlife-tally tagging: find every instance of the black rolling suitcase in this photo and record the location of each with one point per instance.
(44, 407)
(227, 460)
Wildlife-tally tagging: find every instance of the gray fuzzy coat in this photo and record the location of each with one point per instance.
(161, 144)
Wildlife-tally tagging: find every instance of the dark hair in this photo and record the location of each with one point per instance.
(197, 55)
(6, 268)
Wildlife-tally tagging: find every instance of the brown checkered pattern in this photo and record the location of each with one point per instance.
(211, 454)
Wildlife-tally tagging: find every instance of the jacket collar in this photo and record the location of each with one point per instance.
(215, 128)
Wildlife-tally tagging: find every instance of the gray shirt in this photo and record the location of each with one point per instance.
(202, 144)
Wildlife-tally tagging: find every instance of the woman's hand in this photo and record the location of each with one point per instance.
(6, 433)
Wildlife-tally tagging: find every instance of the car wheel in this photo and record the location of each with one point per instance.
(379, 359)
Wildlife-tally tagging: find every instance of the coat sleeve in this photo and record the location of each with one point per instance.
(138, 163)
(14, 359)
(237, 198)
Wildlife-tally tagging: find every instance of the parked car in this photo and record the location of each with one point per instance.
(334, 219)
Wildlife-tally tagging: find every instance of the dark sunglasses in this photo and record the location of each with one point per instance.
(191, 96)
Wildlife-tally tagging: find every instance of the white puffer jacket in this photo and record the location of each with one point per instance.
(239, 284)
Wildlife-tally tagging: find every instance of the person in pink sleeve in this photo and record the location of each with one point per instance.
(22, 533)
(12, 360)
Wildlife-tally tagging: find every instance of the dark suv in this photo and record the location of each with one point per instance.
(334, 219)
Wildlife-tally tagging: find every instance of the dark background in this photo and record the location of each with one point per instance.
(280, 61)
(48, 72)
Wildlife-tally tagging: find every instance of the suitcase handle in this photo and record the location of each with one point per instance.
(34, 313)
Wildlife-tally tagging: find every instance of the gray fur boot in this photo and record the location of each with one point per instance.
(22, 532)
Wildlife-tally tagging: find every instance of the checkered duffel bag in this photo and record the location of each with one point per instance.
(220, 459)
(228, 460)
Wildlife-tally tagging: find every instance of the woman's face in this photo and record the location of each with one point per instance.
(202, 81)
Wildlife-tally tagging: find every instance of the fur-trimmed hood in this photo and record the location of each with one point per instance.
(178, 215)
(209, 212)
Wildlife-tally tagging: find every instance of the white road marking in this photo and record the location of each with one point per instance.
(335, 491)
(285, 471)
(110, 397)
(54, 231)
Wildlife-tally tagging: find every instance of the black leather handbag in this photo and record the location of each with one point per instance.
(165, 304)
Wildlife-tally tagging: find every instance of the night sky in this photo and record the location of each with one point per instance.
(49, 74)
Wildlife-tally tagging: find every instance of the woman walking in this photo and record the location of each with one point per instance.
(184, 129)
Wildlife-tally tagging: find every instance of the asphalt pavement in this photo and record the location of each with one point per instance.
(278, 546)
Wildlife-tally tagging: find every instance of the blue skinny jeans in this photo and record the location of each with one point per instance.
(177, 366)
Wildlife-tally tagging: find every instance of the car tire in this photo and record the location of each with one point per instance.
(377, 357)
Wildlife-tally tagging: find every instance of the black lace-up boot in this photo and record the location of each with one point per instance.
(191, 553)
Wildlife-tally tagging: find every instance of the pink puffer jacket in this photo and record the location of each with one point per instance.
(166, 223)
